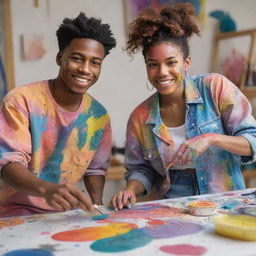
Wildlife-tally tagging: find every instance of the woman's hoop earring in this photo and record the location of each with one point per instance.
(148, 86)
(186, 72)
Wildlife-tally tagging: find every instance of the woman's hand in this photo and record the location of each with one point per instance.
(123, 198)
(192, 148)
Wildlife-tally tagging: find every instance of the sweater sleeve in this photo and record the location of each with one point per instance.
(15, 137)
(100, 161)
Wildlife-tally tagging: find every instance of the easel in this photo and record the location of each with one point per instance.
(249, 92)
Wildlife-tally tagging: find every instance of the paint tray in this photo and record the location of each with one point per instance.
(242, 227)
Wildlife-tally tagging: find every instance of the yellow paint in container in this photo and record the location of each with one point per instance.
(242, 227)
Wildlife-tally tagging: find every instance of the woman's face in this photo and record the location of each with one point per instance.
(165, 67)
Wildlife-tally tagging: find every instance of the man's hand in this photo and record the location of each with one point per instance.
(65, 197)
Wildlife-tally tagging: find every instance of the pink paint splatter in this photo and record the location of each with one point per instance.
(148, 211)
(184, 249)
(45, 233)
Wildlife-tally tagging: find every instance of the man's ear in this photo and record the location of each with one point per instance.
(58, 58)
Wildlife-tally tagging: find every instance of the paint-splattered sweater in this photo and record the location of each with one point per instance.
(56, 145)
(213, 105)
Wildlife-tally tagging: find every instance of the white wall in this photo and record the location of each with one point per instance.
(122, 84)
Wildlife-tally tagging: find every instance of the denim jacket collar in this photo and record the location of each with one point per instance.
(192, 95)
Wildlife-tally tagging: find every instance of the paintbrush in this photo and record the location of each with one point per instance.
(96, 207)
(130, 204)
(248, 194)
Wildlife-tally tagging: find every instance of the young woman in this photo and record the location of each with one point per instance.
(191, 135)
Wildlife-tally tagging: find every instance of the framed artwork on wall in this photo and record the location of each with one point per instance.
(6, 50)
(234, 57)
(134, 7)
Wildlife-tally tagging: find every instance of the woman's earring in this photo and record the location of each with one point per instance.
(150, 88)
(186, 72)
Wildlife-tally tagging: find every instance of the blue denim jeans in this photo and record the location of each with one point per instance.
(183, 183)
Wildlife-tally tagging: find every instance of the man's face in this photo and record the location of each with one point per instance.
(80, 64)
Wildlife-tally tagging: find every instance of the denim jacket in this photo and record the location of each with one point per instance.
(213, 105)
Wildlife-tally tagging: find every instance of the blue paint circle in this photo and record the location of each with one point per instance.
(29, 252)
(100, 217)
(124, 242)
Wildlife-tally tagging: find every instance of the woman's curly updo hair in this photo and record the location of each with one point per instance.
(172, 24)
(84, 27)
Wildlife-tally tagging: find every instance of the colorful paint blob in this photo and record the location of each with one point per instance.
(229, 205)
(184, 249)
(100, 217)
(94, 233)
(250, 211)
(148, 211)
(155, 221)
(202, 204)
(29, 252)
(134, 239)
(172, 228)
(11, 222)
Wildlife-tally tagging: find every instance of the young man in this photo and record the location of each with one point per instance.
(53, 133)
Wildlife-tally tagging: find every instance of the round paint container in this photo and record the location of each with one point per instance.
(241, 227)
(202, 208)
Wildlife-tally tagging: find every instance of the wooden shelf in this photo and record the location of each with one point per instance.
(249, 92)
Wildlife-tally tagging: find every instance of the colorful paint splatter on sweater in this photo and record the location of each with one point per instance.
(56, 145)
(213, 105)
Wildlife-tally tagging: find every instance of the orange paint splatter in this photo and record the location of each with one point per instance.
(202, 204)
(94, 233)
(155, 222)
(11, 222)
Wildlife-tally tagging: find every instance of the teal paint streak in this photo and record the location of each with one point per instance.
(95, 140)
(96, 111)
(100, 217)
(81, 126)
(29, 252)
(51, 172)
(134, 239)
(38, 126)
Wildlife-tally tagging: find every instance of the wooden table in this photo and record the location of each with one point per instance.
(154, 227)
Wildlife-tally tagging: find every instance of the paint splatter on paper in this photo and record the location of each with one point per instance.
(184, 249)
(29, 252)
(172, 228)
(11, 222)
(100, 217)
(142, 236)
(93, 233)
(148, 211)
(131, 240)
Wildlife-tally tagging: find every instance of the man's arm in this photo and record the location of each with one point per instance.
(61, 197)
(94, 185)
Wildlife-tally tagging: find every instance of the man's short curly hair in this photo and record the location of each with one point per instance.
(84, 27)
